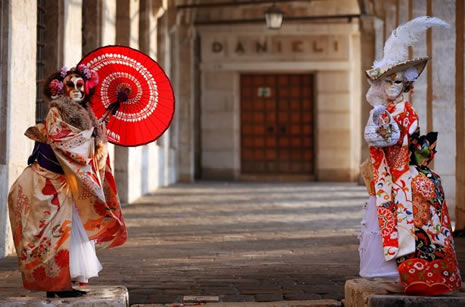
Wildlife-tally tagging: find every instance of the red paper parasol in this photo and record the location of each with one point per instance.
(133, 85)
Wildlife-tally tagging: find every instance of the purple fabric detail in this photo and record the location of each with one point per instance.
(43, 153)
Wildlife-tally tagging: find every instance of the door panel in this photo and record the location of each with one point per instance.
(276, 124)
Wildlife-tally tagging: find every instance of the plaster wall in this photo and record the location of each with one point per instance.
(20, 45)
(337, 97)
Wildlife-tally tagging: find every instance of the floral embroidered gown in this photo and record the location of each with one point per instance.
(41, 205)
(412, 214)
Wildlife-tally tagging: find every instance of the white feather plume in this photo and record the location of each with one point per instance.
(396, 47)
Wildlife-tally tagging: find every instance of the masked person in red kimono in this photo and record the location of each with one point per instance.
(413, 225)
(65, 201)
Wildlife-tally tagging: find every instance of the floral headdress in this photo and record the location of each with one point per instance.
(55, 86)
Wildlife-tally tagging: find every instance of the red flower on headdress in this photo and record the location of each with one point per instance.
(56, 87)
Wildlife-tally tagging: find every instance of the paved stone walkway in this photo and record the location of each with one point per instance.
(239, 241)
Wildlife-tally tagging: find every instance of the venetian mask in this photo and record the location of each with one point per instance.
(74, 87)
(394, 85)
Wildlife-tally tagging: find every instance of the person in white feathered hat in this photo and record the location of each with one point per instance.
(406, 231)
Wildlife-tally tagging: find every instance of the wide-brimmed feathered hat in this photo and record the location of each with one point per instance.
(395, 57)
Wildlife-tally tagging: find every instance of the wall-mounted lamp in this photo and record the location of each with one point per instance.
(274, 17)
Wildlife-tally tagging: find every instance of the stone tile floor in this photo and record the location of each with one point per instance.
(243, 242)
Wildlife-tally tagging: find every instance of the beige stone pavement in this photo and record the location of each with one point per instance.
(242, 242)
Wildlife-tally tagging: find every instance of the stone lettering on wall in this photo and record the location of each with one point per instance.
(217, 47)
(314, 47)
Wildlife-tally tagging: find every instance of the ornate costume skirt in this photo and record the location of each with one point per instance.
(432, 269)
(51, 242)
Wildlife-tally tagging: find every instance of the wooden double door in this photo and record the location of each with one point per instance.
(277, 124)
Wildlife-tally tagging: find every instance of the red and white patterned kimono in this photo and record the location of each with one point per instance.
(392, 185)
(41, 204)
(397, 187)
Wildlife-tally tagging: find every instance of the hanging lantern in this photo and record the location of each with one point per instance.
(274, 17)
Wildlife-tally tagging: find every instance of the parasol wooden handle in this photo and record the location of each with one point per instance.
(113, 108)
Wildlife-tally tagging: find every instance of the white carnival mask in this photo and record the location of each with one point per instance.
(393, 85)
(74, 87)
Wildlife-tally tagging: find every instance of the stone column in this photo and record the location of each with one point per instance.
(91, 25)
(72, 32)
(443, 67)
(108, 22)
(357, 104)
(372, 42)
(17, 100)
(128, 161)
(390, 17)
(164, 57)
(420, 50)
(184, 90)
(99, 29)
(108, 37)
(403, 11)
(54, 34)
(154, 157)
(460, 116)
(367, 56)
(127, 23)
